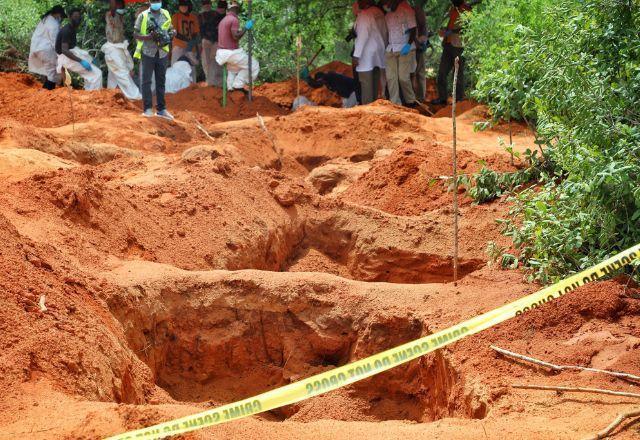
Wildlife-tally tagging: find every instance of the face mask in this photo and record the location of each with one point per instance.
(121, 11)
(156, 6)
(76, 22)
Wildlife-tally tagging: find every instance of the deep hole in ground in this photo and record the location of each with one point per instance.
(229, 339)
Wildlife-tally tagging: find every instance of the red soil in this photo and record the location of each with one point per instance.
(174, 263)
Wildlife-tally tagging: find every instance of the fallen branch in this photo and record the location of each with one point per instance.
(606, 432)
(201, 128)
(555, 367)
(270, 135)
(577, 390)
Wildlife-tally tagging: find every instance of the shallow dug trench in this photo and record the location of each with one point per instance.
(223, 336)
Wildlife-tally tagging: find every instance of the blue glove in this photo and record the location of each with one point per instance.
(249, 25)
(405, 49)
(87, 65)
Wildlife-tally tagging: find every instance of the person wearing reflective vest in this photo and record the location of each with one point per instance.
(153, 52)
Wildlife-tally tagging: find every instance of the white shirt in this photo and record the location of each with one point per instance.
(398, 23)
(370, 41)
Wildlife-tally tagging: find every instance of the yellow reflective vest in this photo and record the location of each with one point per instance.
(143, 30)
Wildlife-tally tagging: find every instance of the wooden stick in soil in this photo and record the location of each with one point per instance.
(606, 432)
(250, 13)
(455, 175)
(577, 390)
(555, 367)
(298, 54)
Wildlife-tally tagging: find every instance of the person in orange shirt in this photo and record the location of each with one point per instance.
(185, 43)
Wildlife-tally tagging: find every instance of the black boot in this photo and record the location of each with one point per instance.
(49, 85)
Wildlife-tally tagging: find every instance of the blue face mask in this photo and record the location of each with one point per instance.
(156, 6)
(121, 11)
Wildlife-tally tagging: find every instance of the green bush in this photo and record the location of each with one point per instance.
(578, 76)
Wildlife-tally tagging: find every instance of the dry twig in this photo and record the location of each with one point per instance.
(555, 367)
(201, 128)
(606, 432)
(577, 390)
(270, 135)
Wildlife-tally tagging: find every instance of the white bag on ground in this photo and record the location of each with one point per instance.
(92, 79)
(237, 62)
(178, 77)
(43, 58)
(120, 64)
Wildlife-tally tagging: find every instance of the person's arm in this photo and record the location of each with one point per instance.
(67, 52)
(236, 31)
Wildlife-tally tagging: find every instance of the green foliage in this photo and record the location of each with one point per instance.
(574, 67)
(488, 185)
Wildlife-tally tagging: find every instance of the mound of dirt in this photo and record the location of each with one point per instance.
(414, 179)
(461, 108)
(206, 103)
(53, 327)
(314, 135)
(284, 93)
(193, 216)
(24, 100)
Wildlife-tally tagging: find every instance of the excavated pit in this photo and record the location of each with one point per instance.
(223, 339)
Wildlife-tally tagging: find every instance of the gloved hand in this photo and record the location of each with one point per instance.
(87, 65)
(304, 73)
(405, 49)
(249, 25)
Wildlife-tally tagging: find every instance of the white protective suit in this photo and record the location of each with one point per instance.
(120, 64)
(43, 58)
(237, 62)
(92, 79)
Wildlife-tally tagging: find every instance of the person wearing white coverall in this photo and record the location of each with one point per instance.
(73, 58)
(369, 52)
(231, 54)
(43, 58)
(116, 53)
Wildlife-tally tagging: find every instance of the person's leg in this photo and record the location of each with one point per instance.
(376, 83)
(160, 69)
(446, 63)
(366, 87)
(147, 67)
(406, 65)
(205, 55)
(215, 67)
(421, 77)
(392, 78)
(92, 79)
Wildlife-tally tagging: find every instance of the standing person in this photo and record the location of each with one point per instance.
(451, 48)
(400, 56)
(43, 58)
(231, 54)
(74, 59)
(185, 42)
(422, 45)
(116, 52)
(154, 31)
(369, 51)
(209, 22)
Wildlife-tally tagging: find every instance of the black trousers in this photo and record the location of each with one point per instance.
(447, 64)
(150, 66)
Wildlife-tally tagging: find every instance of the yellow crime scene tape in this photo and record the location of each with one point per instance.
(362, 369)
